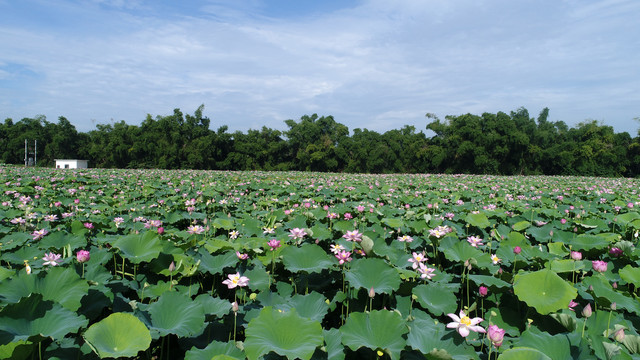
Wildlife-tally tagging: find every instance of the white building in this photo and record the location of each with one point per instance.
(71, 164)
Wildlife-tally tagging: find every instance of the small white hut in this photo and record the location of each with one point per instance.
(71, 164)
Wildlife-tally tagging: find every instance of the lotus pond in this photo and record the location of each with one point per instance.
(151, 264)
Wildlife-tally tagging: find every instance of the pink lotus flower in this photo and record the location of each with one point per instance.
(274, 244)
(496, 335)
(297, 233)
(576, 255)
(405, 238)
(572, 305)
(242, 256)
(599, 266)
(39, 234)
(336, 248)
(615, 252)
(417, 259)
(464, 324)
(475, 241)
(483, 291)
(235, 280)
(51, 259)
(353, 236)
(83, 256)
(426, 272)
(88, 225)
(195, 229)
(343, 256)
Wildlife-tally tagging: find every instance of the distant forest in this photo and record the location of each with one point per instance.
(501, 143)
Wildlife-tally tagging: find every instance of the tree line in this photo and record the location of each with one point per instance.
(500, 143)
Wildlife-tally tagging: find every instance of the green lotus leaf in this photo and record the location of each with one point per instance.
(283, 332)
(13, 241)
(520, 225)
(564, 265)
(626, 218)
(214, 350)
(438, 299)
(631, 275)
(393, 223)
(176, 313)
(431, 338)
(373, 273)
(62, 285)
(605, 294)
(138, 248)
(311, 306)
(118, 335)
(461, 251)
(588, 242)
(554, 346)
(213, 305)
(32, 316)
(632, 343)
(489, 281)
(17, 350)
(259, 278)
(6, 273)
(478, 220)
(310, 258)
(60, 239)
(321, 231)
(543, 290)
(378, 329)
(221, 223)
(333, 341)
(523, 353)
(216, 264)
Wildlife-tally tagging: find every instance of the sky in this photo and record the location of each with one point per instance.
(374, 64)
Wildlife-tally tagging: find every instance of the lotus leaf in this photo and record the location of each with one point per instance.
(478, 220)
(213, 350)
(378, 329)
(176, 313)
(373, 273)
(431, 338)
(283, 332)
(310, 258)
(118, 335)
(138, 248)
(631, 275)
(32, 316)
(544, 290)
(523, 353)
(62, 285)
(436, 298)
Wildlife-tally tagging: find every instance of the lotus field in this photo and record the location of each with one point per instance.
(151, 264)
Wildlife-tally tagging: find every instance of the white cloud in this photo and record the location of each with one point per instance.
(376, 64)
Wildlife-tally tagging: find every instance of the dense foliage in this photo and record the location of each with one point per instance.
(157, 264)
(501, 144)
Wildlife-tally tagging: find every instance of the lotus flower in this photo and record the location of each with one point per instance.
(464, 324)
(235, 280)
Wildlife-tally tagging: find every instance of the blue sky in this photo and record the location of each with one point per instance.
(374, 64)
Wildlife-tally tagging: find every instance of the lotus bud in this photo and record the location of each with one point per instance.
(172, 266)
(517, 250)
(372, 292)
(234, 306)
(83, 256)
(614, 306)
(586, 311)
(619, 335)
